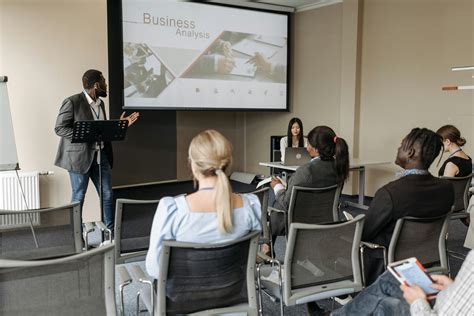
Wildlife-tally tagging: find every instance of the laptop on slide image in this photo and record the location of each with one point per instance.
(296, 156)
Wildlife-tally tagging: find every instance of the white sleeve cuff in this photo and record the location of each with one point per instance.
(278, 188)
(420, 307)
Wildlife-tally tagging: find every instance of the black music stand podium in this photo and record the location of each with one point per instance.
(98, 131)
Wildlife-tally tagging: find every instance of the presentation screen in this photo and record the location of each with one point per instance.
(188, 55)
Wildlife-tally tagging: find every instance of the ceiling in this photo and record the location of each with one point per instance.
(284, 5)
(298, 5)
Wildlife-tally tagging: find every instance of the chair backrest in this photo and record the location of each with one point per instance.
(263, 194)
(40, 234)
(81, 284)
(323, 255)
(314, 205)
(423, 238)
(133, 221)
(461, 191)
(198, 277)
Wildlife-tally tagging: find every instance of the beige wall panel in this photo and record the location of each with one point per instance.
(189, 124)
(408, 50)
(45, 47)
(315, 88)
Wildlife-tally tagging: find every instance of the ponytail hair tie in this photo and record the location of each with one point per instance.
(334, 139)
(218, 171)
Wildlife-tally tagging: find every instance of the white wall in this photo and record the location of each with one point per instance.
(45, 47)
(408, 49)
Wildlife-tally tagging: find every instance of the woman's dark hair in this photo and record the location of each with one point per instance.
(452, 133)
(300, 136)
(430, 144)
(330, 146)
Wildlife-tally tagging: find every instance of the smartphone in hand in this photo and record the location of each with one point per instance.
(410, 271)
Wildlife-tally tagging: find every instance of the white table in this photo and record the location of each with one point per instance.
(355, 165)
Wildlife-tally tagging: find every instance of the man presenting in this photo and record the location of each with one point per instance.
(80, 159)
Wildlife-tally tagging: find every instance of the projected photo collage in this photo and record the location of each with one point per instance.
(231, 56)
(191, 55)
(242, 56)
(145, 75)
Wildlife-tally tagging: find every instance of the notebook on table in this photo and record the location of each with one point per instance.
(296, 156)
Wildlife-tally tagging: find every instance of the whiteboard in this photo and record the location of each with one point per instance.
(8, 154)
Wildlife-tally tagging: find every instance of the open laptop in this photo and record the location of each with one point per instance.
(296, 156)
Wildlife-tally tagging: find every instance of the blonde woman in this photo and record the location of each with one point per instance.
(213, 213)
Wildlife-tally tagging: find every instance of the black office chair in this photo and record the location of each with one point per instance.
(423, 238)
(81, 284)
(205, 279)
(321, 261)
(461, 204)
(41, 233)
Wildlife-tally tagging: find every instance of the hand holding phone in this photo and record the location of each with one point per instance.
(411, 272)
(441, 282)
(412, 293)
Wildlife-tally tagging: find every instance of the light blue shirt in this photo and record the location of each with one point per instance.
(174, 221)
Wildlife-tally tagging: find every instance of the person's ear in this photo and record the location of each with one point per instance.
(411, 153)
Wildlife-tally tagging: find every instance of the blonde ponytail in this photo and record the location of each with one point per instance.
(223, 202)
(211, 154)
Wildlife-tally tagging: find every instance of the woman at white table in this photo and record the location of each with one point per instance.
(294, 137)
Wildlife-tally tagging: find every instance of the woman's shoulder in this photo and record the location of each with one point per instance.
(324, 163)
(249, 199)
(251, 206)
(462, 159)
(459, 161)
(170, 204)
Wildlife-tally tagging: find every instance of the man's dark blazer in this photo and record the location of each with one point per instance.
(412, 195)
(76, 157)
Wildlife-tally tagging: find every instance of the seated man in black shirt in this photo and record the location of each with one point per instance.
(415, 193)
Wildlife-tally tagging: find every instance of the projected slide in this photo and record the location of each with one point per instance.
(193, 55)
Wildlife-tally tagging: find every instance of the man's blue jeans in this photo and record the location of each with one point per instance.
(79, 183)
(383, 297)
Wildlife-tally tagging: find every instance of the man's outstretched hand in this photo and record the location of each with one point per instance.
(132, 118)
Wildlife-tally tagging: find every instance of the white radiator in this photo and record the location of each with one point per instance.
(11, 197)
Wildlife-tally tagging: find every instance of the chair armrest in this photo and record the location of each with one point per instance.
(124, 276)
(88, 227)
(356, 206)
(272, 209)
(105, 230)
(266, 259)
(364, 244)
(124, 279)
(147, 294)
(371, 245)
(101, 225)
(139, 274)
